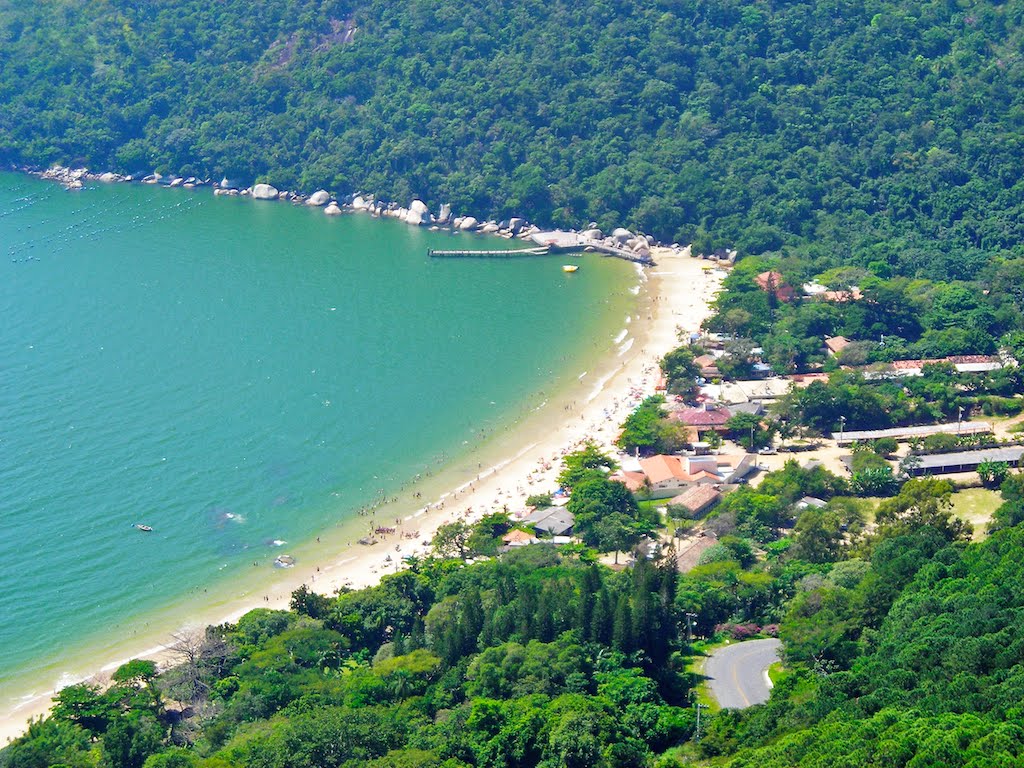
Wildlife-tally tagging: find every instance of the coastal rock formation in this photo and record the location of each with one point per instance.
(468, 223)
(592, 234)
(516, 224)
(359, 203)
(418, 206)
(621, 236)
(415, 217)
(264, 192)
(444, 214)
(109, 177)
(489, 228)
(318, 198)
(332, 209)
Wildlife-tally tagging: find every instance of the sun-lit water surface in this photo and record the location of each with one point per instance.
(235, 373)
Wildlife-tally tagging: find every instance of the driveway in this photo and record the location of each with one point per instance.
(737, 673)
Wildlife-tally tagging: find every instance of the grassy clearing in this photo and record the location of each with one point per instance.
(975, 506)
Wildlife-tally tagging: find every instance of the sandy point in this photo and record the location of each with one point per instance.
(673, 302)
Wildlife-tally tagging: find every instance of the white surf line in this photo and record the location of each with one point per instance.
(622, 334)
(626, 347)
(482, 476)
(600, 385)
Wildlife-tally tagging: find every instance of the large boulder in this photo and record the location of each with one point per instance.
(332, 209)
(318, 198)
(468, 223)
(620, 235)
(360, 203)
(415, 217)
(515, 225)
(108, 177)
(592, 234)
(418, 206)
(264, 192)
(444, 214)
(490, 228)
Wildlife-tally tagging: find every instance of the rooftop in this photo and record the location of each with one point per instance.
(905, 433)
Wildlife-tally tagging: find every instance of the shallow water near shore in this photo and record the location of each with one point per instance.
(242, 377)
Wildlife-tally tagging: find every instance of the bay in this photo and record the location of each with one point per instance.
(236, 373)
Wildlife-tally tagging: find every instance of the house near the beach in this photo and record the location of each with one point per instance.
(555, 521)
(775, 284)
(665, 476)
(697, 500)
(518, 538)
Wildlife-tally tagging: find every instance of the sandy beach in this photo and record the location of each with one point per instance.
(673, 297)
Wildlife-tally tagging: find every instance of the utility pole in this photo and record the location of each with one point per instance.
(842, 427)
(696, 731)
(959, 419)
(689, 626)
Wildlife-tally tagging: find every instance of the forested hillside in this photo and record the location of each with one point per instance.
(850, 130)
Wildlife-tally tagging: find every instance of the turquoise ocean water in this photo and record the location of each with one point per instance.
(232, 373)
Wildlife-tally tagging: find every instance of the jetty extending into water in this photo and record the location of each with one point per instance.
(507, 252)
(548, 242)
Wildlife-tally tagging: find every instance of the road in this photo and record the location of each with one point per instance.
(737, 673)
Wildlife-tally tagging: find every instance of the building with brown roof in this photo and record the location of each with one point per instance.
(518, 538)
(774, 283)
(697, 499)
(663, 476)
(708, 365)
(706, 417)
(836, 344)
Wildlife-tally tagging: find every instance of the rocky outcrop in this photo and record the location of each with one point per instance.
(592, 234)
(621, 236)
(444, 214)
(318, 198)
(332, 209)
(264, 192)
(467, 223)
(360, 203)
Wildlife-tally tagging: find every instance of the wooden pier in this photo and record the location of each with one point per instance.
(505, 253)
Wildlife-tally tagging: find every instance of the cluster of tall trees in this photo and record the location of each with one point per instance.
(884, 134)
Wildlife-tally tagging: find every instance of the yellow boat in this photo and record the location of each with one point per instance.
(570, 267)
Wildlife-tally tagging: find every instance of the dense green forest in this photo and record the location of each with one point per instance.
(852, 131)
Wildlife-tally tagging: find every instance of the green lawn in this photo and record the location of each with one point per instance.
(975, 506)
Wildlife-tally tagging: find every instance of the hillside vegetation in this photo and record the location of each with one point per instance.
(853, 131)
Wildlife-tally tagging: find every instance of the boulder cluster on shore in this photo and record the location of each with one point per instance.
(621, 242)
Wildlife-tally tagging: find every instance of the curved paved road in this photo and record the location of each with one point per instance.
(736, 673)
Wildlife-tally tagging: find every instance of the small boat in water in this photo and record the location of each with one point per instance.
(143, 527)
(570, 267)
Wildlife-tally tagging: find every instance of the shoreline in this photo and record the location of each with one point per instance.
(519, 462)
